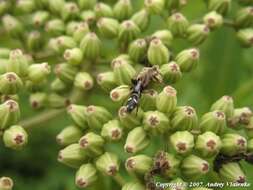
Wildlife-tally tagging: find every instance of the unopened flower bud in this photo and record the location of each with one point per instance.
(172, 165)
(70, 10)
(9, 114)
(182, 142)
(6, 183)
(123, 9)
(197, 33)
(106, 80)
(10, 83)
(18, 63)
(57, 101)
(133, 186)
(245, 37)
(130, 120)
(97, 116)
(158, 54)
(58, 86)
(12, 25)
(136, 141)
(92, 143)
(34, 40)
(184, 118)
(15, 137)
(73, 156)
(66, 72)
(120, 93)
(225, 104)
(137, 50)
(112, 130)
(233, 144)
(108, 27)
(73, 56)
(171, 72)
(139, 164)
(220, 6)
(83, 81)
(166, 101)
(55, 27)
(128, 31)
(65, 42)
(70, 134)
(40, 18)
(232, 172)
(108, 164)
(165, 36)
(148, 100)
(123, 72)
(193, 167)
(155, 122)
(89, 17)
(86, 175)
(178, 24)
(103, 10)
(214, 121)
(86, 4)
(241, 118)
(91, 46)
(56, 6)
(213, 20)
(77, 114)
(141, 19)
(24, 6)
(80, 31)
(71, 27)
(154, 6)
(38, 100)
(37, 73)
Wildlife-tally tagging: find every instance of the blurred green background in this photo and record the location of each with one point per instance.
(224, 68)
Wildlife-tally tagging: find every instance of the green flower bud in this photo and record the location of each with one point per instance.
(148, 100)
(66, 72)
(73, 156)
(178, 24)
(92, 143)
(155, 122)
(58, 86)
(108, 164)
(158, 54)
(24, 6)
(233, 144)
(97, 116)
(232, 172)
(71, 27)
(55, 27)
(120, 93)
(108, 27)
(208, 144)
(173, 165)
(70, 134)
(70, 10)
(38, 100)
(18, 63)
(77, 114)
(10, 83)
(165, 36)
(139, 164)
(89, 17)
(65, 42)
(130, 120)
(184, 118)
(91, 46)
(123, 72)
(112, 130)
(171, 72)
(73, 56)
(197, 33)
(241, 118)
(136, 141)
(225, 104)
(15, 137)
(166, 101)
(182, 142)
(193, 167)
(34, 40)
(4, 53)
(141, 19)
(154, 6)
(245, 37)
(57, 101)
(87, 4)
(122, 57)
(53, 46)
(56, 6)
(12, 25)
(103, 10)
(80, 31)
(137, 50)
(133, 186)
(40, 18)
(188, 59)
(37, 73)
(122, 9)
(86, 176)
(220, 6)
(83, 81)
(9, 114)
(6, 183)
(214, 121)
(213, 20)
(106, 80)
(128, 31)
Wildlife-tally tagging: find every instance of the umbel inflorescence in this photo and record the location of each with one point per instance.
(105, 44)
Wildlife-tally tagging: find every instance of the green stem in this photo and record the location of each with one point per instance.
(119, 179)
(243, 91)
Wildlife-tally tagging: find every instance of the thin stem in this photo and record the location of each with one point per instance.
(119, 179)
